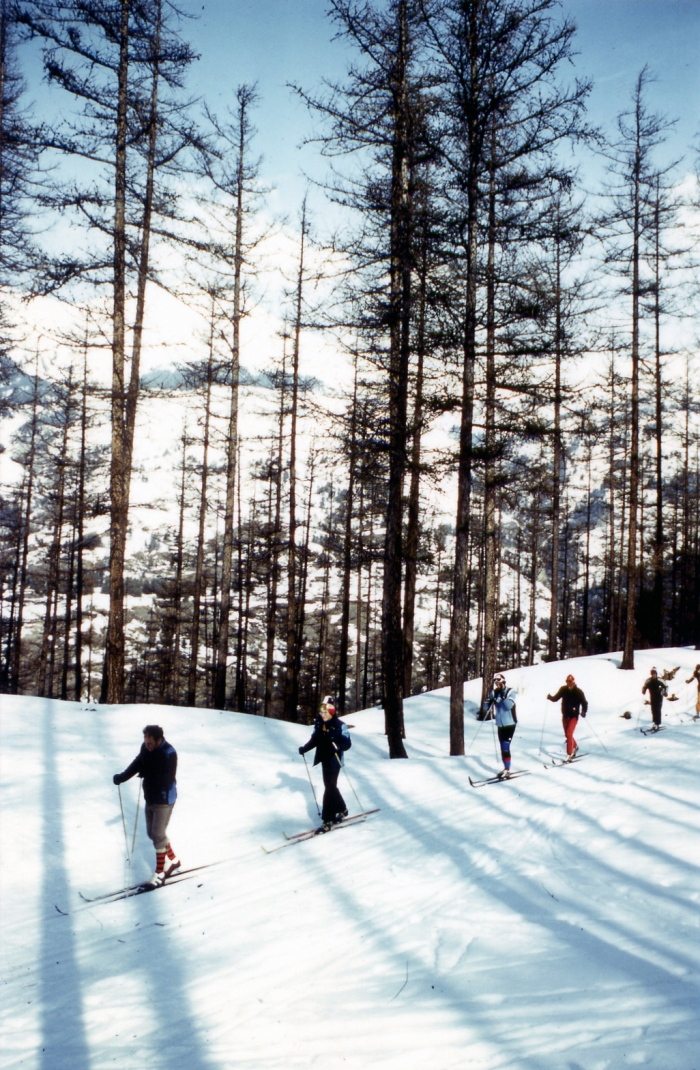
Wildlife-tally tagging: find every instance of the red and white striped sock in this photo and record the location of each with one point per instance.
(171, 854)
(160, 861)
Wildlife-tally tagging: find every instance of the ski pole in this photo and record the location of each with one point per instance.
(480, 721)
(544, 720)
(311, 783)
(348, 780)
(126, 838)
(136, 820)
(596, 735)
(495, 744)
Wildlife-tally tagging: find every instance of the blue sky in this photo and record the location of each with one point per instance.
(275, 42)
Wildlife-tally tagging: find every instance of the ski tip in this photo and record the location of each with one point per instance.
(63, 912)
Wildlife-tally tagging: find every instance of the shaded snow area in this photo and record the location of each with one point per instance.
(550, 922)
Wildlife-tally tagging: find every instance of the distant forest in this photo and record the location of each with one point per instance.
(513, 472)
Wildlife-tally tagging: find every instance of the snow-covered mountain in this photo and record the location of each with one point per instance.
(550, 922)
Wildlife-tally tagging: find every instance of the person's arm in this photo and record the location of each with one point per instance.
(584, 705)
(172, 766)
(313, 742)
(644, 689)
(555, 698)
(344, 741)
(131, 770)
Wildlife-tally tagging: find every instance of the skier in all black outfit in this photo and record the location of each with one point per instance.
(573, 702)
(657, 690)
(696, 676)
(156, 762)
(331, 738)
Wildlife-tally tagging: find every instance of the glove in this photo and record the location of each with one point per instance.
(583, 713)
(117, 778)
(301, 750)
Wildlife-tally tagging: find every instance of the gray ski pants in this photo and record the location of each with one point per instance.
(157, 818)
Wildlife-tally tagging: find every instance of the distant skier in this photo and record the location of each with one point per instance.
(502, 700)
(657, 690)
(696, 677)
(331, 738)
(156, 762)
(573, 703)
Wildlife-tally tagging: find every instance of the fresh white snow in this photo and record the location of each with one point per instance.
(547, 923)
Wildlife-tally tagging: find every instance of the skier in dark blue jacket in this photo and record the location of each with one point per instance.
(156, 763)
(331, 738)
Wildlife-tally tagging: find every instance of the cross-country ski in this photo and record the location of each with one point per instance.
(568, 760)
(146, 884)
(501, 778)
(416, 892)
(321, 828)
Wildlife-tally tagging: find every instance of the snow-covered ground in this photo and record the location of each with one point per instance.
(547, 923)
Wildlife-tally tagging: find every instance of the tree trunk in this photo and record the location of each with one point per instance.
(17, 648)
(412, 527)
(290, 683)
(459, 627)
(658, 551)
(275, 545)
(400, 313)
(175, 693)
(556, 466)
(491, 597)
(113, 679)
(80, 507)
(628, 653)
(347, 555)
(221, 658)
(199, 565)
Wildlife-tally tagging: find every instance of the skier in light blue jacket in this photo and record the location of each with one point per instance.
(502, 701)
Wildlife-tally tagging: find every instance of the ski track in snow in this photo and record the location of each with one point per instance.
(547, 924)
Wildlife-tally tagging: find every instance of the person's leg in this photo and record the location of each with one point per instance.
(505, 735)
(569, 729)
(656, 713)
(173, 862)
(333, 802)
(159, 818)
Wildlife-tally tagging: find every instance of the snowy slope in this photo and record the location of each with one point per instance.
(547, 923)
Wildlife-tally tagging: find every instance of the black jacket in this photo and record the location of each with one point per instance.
(573, 701)
(330, 738)
(656, 688)
(158, 768)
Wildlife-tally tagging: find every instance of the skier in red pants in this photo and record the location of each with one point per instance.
(573, 702)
